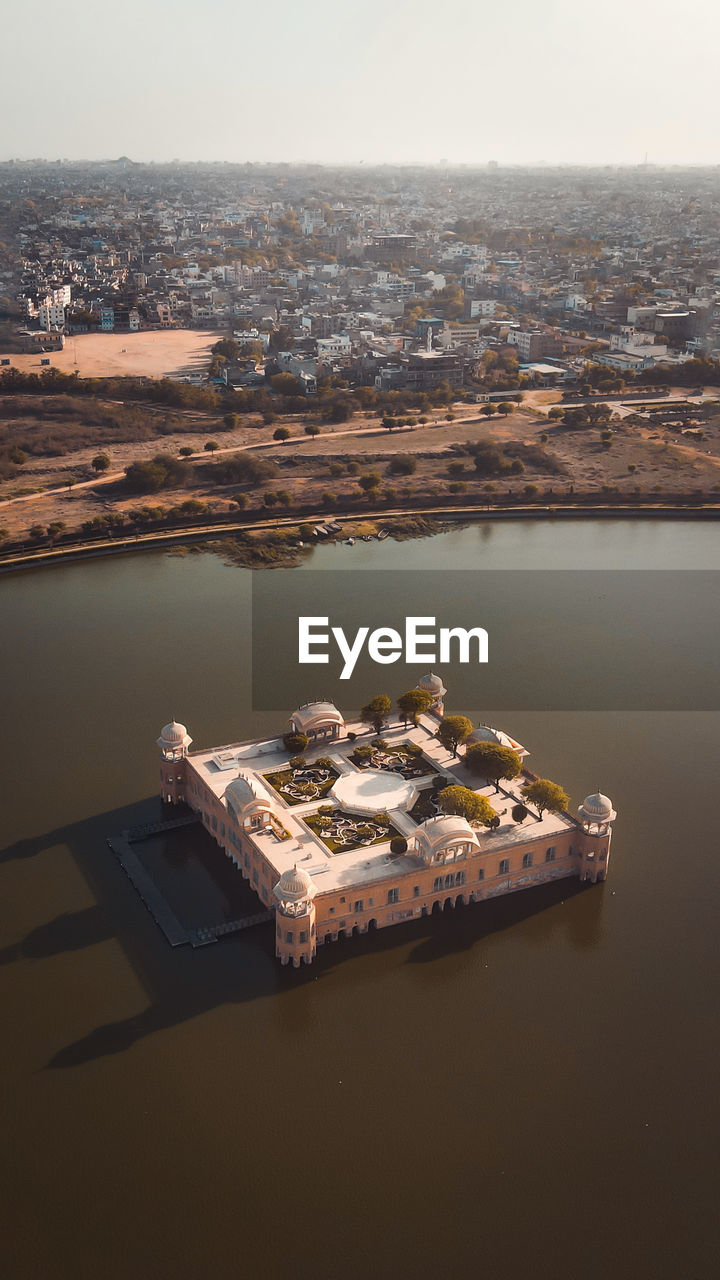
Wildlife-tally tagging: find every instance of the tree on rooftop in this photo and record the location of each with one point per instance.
(100, 462)
(413, 704)
(376, 711)
(546, 795)
(466, 804)
(453, 730)
(492, 761)
(519, 813)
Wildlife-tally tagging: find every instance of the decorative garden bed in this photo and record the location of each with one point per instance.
(303, 783)
(405, 758)
(341, 831)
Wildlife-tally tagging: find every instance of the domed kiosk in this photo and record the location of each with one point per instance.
(174, 740)
(318, 720)
(433, 685)
(444, 839)
(248, 803)
(597, 812)
(295, 938)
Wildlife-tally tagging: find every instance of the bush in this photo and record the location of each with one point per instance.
(243, 468)
(295, 742)
(163, 472)
(297, 762)
(398, 844)
(403, 464)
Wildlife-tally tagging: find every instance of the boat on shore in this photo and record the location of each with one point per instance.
(349, 542)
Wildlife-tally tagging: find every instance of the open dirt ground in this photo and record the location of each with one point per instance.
(155, 354)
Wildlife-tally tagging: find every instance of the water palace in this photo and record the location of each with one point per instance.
(340, 844)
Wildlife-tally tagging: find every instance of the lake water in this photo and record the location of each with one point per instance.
(526, 1088)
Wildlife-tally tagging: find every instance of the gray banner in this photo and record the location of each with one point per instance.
(565, 640)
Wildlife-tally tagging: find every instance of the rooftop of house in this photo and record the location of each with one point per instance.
(218, 767)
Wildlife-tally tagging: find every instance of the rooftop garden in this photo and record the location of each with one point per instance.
(341, 831)
(300, 782)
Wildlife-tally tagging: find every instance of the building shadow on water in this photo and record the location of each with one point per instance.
(182, 983)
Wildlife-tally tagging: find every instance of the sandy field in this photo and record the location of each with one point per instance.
(155, 354)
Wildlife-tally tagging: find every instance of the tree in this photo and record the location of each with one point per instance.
(376, 711)
(519, 813)
(241, 500)
(453, 730)
(466, 804)
(282, 433)
(492, 761)
(210, 446)
(413, 704)
(100, 462)
(286, 384)
(371, 480)
(312, 429)
(398, 844)
(231, 421)
(270, 498)
(505, 407)
(546, 795)
(295, 742)
(55, 528)
(187, 451)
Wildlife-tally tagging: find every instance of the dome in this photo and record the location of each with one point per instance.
(431, 683)
(174, 736)
(240, 792)
(485, 733)
(597, 808)
(243, 795)
(293, 885)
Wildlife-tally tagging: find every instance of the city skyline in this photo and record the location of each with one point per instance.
(390, 84)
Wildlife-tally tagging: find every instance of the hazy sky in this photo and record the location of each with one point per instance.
(384, 80)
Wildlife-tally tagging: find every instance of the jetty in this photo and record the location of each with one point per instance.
(176, 933)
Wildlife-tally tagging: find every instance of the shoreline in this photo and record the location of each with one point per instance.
(166, 539)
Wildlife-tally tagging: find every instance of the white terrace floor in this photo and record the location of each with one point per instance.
(362, 866)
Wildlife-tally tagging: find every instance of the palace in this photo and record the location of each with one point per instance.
(349, 835)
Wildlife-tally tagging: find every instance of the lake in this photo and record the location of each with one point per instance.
(520, 1088)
